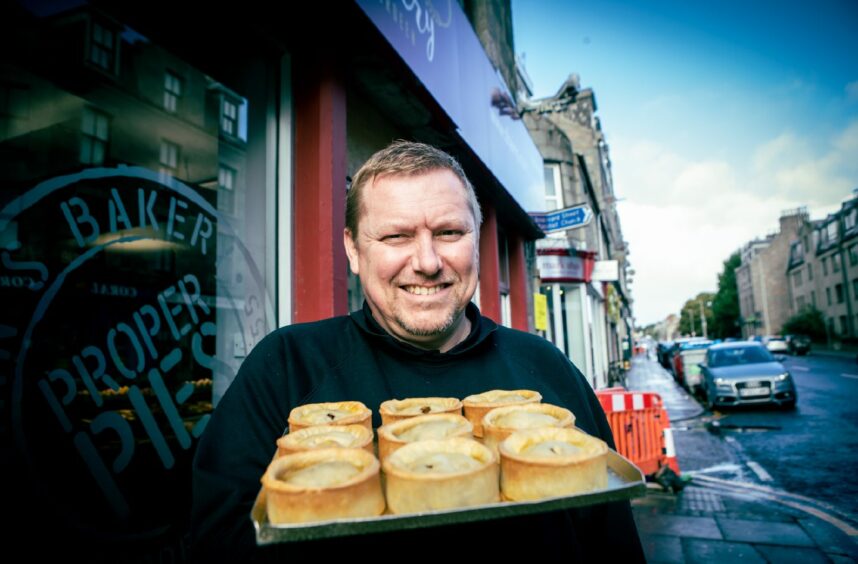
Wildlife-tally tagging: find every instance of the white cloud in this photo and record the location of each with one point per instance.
(816, 175)
(683, 218)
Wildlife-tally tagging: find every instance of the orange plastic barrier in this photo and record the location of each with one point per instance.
(641, 428)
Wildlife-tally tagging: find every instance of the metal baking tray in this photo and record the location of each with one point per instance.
(625, 481)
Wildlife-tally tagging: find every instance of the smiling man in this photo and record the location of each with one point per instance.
(412, 237)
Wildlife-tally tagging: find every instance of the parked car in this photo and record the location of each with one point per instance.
(776, 344)
(746, 373)
(687, 365)
(798, 344)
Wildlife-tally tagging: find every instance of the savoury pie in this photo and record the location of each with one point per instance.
(324, 484)
(478, 405)
(326, 436)
(423, 427)
(549, 462)
(335, 413)
(395, 410)
(501, 422)
(440, 474)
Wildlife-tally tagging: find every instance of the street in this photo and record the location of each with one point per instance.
(809, 451)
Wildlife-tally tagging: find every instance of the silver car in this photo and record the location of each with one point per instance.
(746, 373)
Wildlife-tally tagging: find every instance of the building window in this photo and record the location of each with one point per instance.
(849, 220)
(853, 255)
(825, 266)
(229, 117)
(810, 271)
(226, 192)
(855, 288)
(796, 279)
(94, 136)
(828, 295)
(831, 231)
(553, 188)
(813, 297)
(838, 292)
(799, 303)
(172, 91)
(844, 329)
(835, 263)
(102, 47)
(169, 159)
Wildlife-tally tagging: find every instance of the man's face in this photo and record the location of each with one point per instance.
(416, 255)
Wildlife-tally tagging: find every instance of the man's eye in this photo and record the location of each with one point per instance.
(450, 233)
(393, 237)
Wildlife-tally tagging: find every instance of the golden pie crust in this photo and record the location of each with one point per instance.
(549, 462)
(477, 405)
(423, 427)
(323, 484)
(501, 422)
(396, 410)
(326, 436)
(333, 413)
(440, 474)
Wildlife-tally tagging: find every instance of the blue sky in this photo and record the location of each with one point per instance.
(719, 116)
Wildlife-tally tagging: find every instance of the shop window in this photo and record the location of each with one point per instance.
(503, 281)
(94, 136)
(161, 291)
(172, 91)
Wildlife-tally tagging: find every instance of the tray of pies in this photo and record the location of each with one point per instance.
(431, 465)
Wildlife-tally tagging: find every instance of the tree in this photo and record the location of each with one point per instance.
(725, 305)
(809, 321)
(689, 318)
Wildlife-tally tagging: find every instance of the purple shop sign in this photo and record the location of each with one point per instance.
(436, 40)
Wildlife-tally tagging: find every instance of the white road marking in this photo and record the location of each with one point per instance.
(853, 376)
(759, 471)
(730, 439)
(801, 368)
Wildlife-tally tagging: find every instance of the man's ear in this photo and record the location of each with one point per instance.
(351, 251)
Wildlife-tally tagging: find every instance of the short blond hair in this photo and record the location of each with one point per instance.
(405, 158)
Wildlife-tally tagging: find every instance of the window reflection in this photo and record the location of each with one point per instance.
(133, 275)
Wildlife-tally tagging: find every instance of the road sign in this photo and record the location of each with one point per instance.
(561, 220)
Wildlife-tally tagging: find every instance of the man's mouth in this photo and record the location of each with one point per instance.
(424, 290)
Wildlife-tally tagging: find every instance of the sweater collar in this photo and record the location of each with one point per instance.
(481, 328)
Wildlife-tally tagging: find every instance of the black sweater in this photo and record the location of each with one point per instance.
(352, 358)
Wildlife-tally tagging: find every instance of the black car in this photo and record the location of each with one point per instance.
(798, 344)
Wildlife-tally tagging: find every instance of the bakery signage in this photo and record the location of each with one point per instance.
(117, 304)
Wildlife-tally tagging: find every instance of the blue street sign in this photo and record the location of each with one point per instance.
(561, 220)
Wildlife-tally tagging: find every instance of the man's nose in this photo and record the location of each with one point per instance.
(426, 259)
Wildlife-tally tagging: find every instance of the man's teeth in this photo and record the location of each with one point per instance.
(422, 290)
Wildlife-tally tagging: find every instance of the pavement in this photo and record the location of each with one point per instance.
(716, 520)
